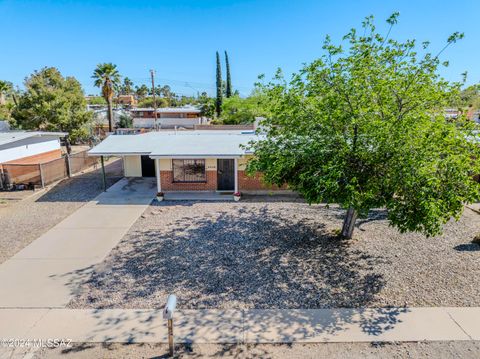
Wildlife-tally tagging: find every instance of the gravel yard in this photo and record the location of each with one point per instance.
(25, 220)
(267, 254)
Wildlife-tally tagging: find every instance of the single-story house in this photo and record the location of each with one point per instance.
(186, 160)
(22, 154)
(4, 125)
(167, 117)
(24, 147)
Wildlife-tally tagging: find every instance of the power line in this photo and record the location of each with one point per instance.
(152, 75)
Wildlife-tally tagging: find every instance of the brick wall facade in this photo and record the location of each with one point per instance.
(246, 183)
(168, 184)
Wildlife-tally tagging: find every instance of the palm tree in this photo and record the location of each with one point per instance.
(108, 79)
(127, 87)
(5, 88)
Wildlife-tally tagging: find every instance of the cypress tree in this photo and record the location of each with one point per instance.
(228, 92)
(218, 102)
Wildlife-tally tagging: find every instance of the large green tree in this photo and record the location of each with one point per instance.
(228, 86)
(206, 104)
(52, 102)
(237, 110)
(363, 126)
(107, 78)
(219, 99)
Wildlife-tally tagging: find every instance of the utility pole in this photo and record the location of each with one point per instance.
(152, 75)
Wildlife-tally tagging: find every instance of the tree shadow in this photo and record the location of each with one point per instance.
(269, 265)
(258, 260)
(373, 215)
(467, 247)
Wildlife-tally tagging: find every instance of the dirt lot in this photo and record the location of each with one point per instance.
(437, 350)
(27, 215)
(259, 254)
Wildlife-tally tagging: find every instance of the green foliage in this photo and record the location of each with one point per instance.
(148, 102)
(96, 100)
(218, 101)
(5, 88)
(228, 86)
(237, 110)
(363, 126)
(107, 78)
(470, 97)
(125, 121)
(126, 88)
(207, 105)
(6, 101)
(52, 102)
(142, 91)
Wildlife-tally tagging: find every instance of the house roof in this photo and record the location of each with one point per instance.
(177, 144)
(13, 136)
(168, 109)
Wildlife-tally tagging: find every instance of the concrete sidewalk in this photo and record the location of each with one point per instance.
(47, 273)
(244, 326)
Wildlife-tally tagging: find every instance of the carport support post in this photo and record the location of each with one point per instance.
(104, 176)
(236, 174)
(42, 179)
(157, 173)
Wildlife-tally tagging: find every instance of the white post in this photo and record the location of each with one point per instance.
(236, 174)
(157, 170)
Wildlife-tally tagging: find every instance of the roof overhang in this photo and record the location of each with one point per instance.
(98, 154)
(187, 156)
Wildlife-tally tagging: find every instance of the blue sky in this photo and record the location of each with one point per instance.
(179, 38)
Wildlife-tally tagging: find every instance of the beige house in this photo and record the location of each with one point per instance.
(168, 117)
(186, 161)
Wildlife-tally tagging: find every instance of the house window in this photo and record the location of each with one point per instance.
(189, 171)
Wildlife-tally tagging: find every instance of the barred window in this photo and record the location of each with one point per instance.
(189, 171)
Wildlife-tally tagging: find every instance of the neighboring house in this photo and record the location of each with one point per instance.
(127, 100)
(167, 117)
(474, 115)
(100, 120)
(19, 147)
(186, 160)
(22, 154)
(452, 113)
(4, 126)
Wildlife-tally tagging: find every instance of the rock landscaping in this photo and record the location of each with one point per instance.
(260, 253)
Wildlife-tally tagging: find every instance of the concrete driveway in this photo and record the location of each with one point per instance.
(47, 273)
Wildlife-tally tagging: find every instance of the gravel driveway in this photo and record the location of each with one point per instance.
(26, 220)
(282, 255)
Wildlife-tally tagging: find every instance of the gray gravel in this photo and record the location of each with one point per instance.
(256, 254)
(26, 220)
(437, 350)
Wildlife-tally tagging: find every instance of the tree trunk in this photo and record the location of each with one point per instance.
(349, 223)
(110, 115)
